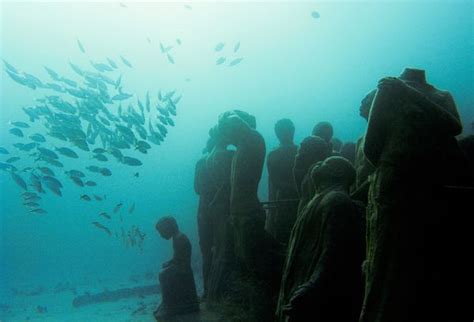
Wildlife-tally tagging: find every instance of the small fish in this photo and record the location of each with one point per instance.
(237, 47)
(136, 175)
(178, 41)
(4, 151)
(91, 183)
(67, 152)
(235, 62)
(98, 198)
(100, 226)
(77, 181)
(100, 157)
(47, 153)
(12, 159)
(170, 59)
(99, 150)
(85, 198)
(105, 215)
(23, 125)
(29, 194)
(117, 207)
(105, 172)
(17, 132)
(220, 61)
(121, 97)
(112, 63)
(19, 181)
(81, 47)
(219, 46)
(131, 209)
(32, 198)
(31, 204)
(37, 138)
(148, 39)
(75, 173)
(10, 67)
(39, 211)
(187, 6)
(53, 181)
(47, 171)
(164, 49)
(126, 62)
(315, 15)
(122, 5)
(131, 161)
(94, 168)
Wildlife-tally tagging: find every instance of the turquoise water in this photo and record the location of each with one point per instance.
(296, 64)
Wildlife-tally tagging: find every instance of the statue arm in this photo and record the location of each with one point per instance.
(198, 176)
(271, 177)
(377, 128)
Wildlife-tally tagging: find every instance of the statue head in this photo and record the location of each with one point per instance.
(366, 103)
(232, 124)
(332, 172)
(312, 149)
(323, 130)
(413, 75)
(167, 227)
(285, 131)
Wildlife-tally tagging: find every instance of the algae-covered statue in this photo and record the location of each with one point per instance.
(363, 167)
(257, 254)
(248, 217)
(312, 150)
(413, 229)
(281, 183)
(204, 187)
(322, 278)
(219, 163)
(178, 289)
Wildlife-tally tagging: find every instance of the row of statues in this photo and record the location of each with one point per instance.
(366, 231)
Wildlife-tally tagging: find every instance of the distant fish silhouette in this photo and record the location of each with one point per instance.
(235, 62)
(219, 46)
(315, 15)
(100, 226)
(81, 47)
(237, 47)
(117, 207)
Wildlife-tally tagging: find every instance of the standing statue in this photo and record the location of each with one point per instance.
(219, 163)
(178, 289)
(257, 254)
(312, 150)
(411, 222)
(322, 278)
(205, 189)
(247, 214)
(281, 183)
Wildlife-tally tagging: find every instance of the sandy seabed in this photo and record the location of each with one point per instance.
(60, 309)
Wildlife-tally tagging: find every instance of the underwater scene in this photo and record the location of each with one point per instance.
(235, 160)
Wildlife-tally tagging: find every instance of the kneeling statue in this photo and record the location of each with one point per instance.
(178, 289)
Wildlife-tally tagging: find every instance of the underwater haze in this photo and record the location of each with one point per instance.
(308, 61)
